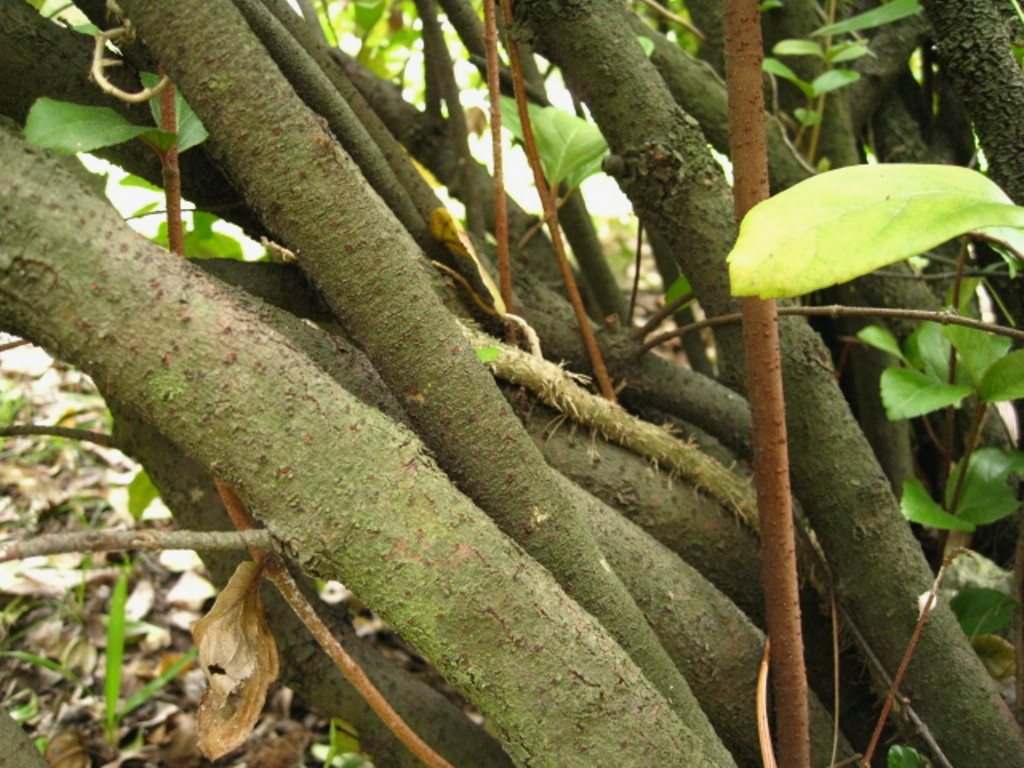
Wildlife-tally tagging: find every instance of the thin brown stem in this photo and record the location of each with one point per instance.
(838, 310)
(97, 438)
(171, 172)
(14, 344)
(141, 541)
(748, 150)
(500, 212)
(547, 199)
(659, 315)
(636, 273)
(278, 573)
(905, 661)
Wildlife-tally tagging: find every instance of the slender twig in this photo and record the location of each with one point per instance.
(14, 344)
(143, 541)
(905, 661)
(498, 173)
(748, 149)
(636, 273)
(941, 317)
(171, 172)
(278, 573)
(604, 381)
(659, 315)
(100, 63)
(684, 23)
(764, 731)
(97, 438)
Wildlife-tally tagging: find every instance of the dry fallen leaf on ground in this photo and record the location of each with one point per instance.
(238, 655)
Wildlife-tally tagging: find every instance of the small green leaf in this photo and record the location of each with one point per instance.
(850, 51)
(190, 129)
(989, 490)
(486, 354)
(832, 80)
(982, 611)
(928, 350)
(903, 757)
(845, 223)
(679, 288)
(69, 128)
(977, 349)
(768, 5)
(1004, 379)
(879, 338)
(201, 242)
(131, 180)
(876, 17)
(115, 649)
(570, 148)
(141, 492)
(368, 13)
(807, 117)
(918, 507)
(907, 393)
(647, 44)
(775, 67)
(799, 47)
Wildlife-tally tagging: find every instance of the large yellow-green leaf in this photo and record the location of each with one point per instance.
(845, 223)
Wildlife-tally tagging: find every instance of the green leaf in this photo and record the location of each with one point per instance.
(115, 650)
(768, 5)
(845, 223)
(907, 393)
(486, 354)
(368, 13)
(1004, 379)
(903, 757)
(201, 242)
(977, 349)
(647, 44)
(989, 490)
(807, 117)
(799, 47)
(69, 128)
(190, 129)
(131, 180)
(141, 492)
(918, 507)
(876, 17)
(679, 288)
(775, 67)
(570, 148)
(850, 51)
(879, 338)
(928, 350)
(982, 611)
(832, 80)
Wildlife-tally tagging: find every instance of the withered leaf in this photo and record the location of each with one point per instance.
(239, 658)
(67, 750)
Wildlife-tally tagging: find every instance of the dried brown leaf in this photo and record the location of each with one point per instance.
(239, 657)
(67, 750)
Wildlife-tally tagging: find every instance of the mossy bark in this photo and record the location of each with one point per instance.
(349, 493)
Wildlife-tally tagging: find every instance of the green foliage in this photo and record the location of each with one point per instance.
(114, 654)
(202, 242)
(141, 492)
(570, 148)
(69, 128)
(876, 17)
(903, 757)
(845, 223)
(679, 288)
(982, 611)
(486, 354)
(189, 129)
